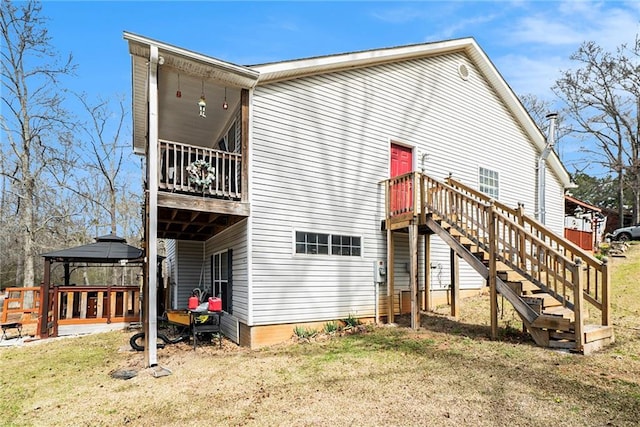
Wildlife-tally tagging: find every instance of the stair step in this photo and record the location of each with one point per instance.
(596, 338)
(523, 287)
(596, 332)
(555, 323)
(561, 311)
(507, 275)
(545, 299)
(562, 336)
(466, 242)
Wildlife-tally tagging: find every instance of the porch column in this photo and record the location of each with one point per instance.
(150, 302)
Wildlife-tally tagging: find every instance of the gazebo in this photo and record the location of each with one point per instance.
(86, 305)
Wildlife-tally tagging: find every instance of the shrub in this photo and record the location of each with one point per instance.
(330, 327)
(304, 333)
(351, 321)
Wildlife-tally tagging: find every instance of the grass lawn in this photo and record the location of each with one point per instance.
(449, 373)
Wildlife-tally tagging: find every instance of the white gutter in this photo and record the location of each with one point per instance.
(542, 168)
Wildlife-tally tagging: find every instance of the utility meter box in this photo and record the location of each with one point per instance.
(380, 271)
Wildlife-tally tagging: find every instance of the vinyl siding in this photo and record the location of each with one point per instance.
(320, 147)
(190, 267)
(234, 238)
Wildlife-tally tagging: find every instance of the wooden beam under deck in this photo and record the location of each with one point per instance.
(185, 217)
(202, 204)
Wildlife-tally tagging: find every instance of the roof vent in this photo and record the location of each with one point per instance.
(463, 71)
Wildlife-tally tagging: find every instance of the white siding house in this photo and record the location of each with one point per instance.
(315, 137)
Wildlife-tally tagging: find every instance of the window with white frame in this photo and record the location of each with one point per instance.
(488, 182)
(325, 244)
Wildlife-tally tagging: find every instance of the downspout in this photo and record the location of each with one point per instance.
(542, 167)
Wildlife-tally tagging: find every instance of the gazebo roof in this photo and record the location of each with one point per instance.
(106, 249)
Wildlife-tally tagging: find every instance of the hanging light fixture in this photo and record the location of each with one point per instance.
(224, 104)
(202, 103)
(178, 92)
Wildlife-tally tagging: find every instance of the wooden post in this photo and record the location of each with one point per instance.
(423, 200)
(70, 297)
(390, 275)
(522, 246)
(413, 278)
(493, 253)
(415, 179)
(578, 302)
(427, 272)
(606, 291)
(43, 317)
(110, 306)
(56, 309)
(84, 301)
(100, 305)
(455, 284)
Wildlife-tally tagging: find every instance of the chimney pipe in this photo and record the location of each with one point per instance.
(541, 169)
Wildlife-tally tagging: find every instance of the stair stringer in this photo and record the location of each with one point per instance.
(526, 313)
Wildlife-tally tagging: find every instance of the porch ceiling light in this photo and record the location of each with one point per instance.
(202, 103)
(225, 106)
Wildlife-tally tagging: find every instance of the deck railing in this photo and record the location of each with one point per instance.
(401, 198)
(594, 274)
(92, 304)
(21, 305)
(219, 173)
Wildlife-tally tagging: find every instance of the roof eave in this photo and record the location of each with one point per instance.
(287, 70)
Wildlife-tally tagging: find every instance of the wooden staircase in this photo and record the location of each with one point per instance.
(560, 292)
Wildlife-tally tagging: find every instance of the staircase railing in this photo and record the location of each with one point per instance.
(594, 275)
(555, 265)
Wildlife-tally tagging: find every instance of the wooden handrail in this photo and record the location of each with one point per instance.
(596, 275)
(555, 264)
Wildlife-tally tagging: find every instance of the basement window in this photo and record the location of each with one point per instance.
(488, 182)
(327, 244)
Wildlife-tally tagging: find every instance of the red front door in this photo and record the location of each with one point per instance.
(401, 160)
(401, 195)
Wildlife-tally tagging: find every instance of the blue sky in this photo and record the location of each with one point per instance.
(528, 41)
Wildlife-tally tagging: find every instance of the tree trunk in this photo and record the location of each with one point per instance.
(621, 198)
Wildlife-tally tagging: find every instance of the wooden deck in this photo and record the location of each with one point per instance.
(194, 207)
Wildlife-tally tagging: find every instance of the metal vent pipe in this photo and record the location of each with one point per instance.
(542, 167)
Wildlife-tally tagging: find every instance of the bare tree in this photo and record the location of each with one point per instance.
(105, 157)
(603, 100)
(539, 109)
(31, 70)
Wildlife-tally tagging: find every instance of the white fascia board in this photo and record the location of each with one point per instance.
(301, 67)
(144, 43)
(515, 106)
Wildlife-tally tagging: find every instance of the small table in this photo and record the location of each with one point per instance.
(10, 325)
(212, 325)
